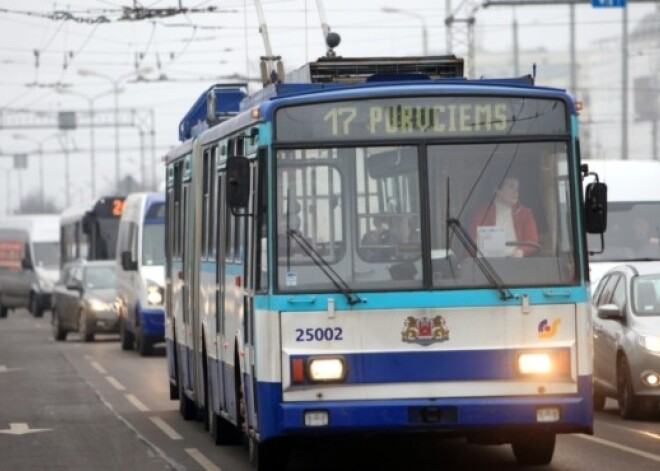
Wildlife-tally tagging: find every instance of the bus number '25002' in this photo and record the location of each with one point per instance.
(319, 334)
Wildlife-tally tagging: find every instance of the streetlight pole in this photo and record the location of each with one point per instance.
(40, 153)
(67, 175)
(92, 127)
(116, 89)
(425, 39)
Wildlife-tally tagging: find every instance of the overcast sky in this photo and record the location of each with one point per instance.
(45, 43)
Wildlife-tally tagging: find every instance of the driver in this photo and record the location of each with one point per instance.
(517, 220)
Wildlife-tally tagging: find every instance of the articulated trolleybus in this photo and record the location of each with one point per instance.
(332, 269)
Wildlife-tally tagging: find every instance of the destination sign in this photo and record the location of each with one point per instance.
(423, 117)
(109, 207)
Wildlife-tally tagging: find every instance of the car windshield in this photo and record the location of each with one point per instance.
(633, 233)
(100, 277)
(153, 244)
(645, 291)
(47, 254)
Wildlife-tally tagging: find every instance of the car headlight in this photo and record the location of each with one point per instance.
(98, 305)
(45, 284)
(154, 293)
(650, 343)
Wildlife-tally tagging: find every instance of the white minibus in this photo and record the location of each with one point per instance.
(29, 262)
(141, 271)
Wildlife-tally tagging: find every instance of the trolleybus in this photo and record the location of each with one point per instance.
(325, 275)
(89, 230)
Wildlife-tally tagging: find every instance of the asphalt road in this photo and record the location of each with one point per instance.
(82, 406)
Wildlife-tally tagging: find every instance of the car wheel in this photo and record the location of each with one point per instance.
(626, 396)
(599, 400)
(144, 344)
(84, 329)
(35, 309)
(59, 333)
(3, 310)
(127, 338)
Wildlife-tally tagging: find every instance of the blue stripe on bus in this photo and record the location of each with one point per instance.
(429, 366)
(207, 266)
(421, 299)
(407, 415)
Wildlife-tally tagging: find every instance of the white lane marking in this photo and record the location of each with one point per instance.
(167, 430)
(22, 429)
(97, 366)
(646, 433)
(634, 451)
(202, 460)
(4, 369)
(137, 403)
(118, 386)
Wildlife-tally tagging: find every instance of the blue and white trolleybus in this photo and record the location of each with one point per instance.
(332, 267)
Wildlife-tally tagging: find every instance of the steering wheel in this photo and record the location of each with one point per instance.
(525, 243)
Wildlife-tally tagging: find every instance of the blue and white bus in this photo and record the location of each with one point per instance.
(325, 275)
(89, 230)
(141, 272)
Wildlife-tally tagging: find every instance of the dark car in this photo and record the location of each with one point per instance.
(84, 300)
(626, 323)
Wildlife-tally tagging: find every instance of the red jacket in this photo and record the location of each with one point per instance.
(523, 224)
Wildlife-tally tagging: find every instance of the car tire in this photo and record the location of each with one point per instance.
(599, 400)
(144, 344)
(127, 339)
(35, 308)
(84, 329)
(3, 309)
(628, 404)
(59, 333)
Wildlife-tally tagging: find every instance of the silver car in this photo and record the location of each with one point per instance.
(84, 300)
(626, 325)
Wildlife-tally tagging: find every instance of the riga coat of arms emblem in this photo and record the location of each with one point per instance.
(424, 330)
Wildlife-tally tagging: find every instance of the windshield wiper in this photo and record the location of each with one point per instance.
(325, 267)
(482, 262)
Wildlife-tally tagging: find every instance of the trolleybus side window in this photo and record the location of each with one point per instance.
(206, 199)
(220, 236)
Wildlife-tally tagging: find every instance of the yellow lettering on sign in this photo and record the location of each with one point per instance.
(340, 119)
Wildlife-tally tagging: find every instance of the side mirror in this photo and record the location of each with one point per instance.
(595, 208)
(238, 182)
(611, 312)
(74, 286)
(126, 261)
(26, 264)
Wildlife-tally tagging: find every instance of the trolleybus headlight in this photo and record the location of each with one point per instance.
(535, 364)
(326, 369)
(549, 363)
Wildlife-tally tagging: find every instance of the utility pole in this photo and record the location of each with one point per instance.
(459, 24)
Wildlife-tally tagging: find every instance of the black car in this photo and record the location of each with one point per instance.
(84, 300)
